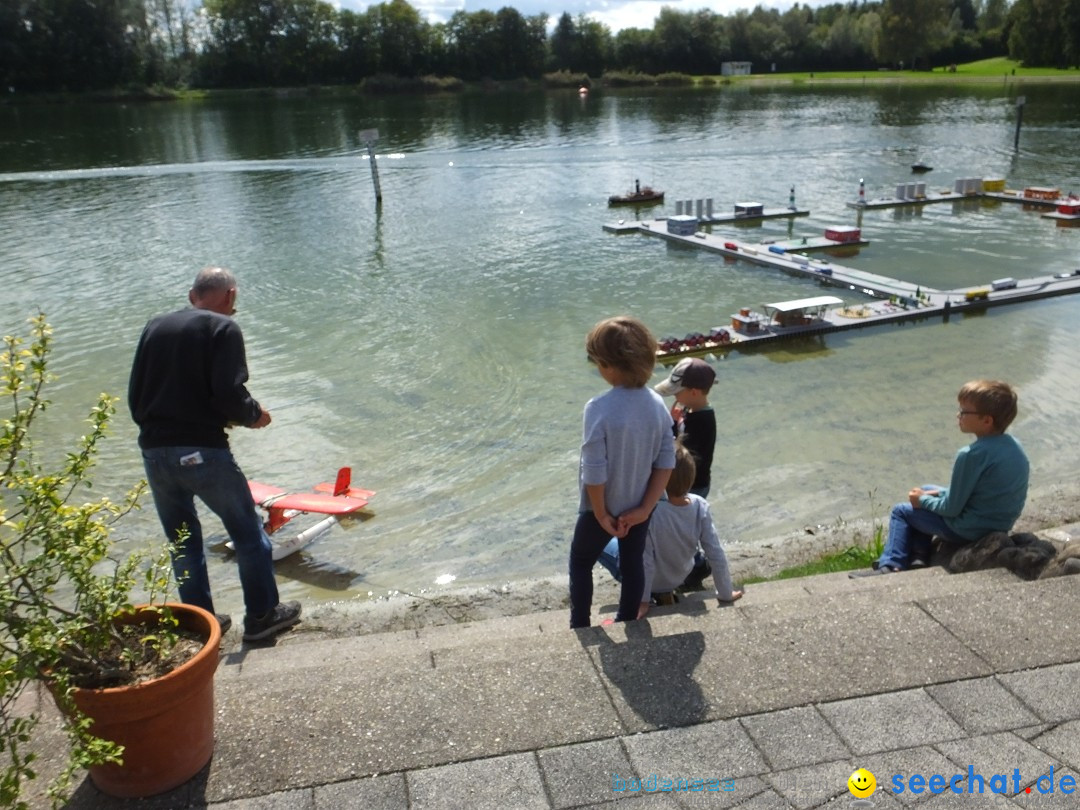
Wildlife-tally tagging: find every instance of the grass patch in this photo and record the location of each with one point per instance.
(847, 560)
(997, 68)
(854, 556)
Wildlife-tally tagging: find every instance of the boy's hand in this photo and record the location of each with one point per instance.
(643, 608)
(611, 525)
(632, 517)
(917, 492)
(735, 596)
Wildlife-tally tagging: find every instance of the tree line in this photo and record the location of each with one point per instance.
(86, 45)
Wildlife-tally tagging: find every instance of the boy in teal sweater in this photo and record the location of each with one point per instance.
(987, 491)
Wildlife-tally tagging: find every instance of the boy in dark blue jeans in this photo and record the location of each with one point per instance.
(627, 454)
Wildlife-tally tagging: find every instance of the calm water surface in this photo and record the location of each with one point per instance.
(436, 344)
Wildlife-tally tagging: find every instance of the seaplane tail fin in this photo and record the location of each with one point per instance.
(344, 480)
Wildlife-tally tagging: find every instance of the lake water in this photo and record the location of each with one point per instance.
(436, 345)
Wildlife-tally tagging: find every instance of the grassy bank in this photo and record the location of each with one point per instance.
(999, 69)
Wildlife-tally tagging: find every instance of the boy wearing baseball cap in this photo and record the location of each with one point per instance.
(695, 420)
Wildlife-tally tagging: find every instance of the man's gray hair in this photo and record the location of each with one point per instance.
(213, 279)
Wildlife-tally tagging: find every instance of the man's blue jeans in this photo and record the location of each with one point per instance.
(910, 533)
(177, 475)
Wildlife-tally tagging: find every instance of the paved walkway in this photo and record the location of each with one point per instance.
(770, 704)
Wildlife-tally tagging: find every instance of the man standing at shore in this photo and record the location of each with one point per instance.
(186, 387)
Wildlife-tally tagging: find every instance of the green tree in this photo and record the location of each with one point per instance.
(358, 47)
(1037, 37)
(798, 25)
(992, 15)
(402, 37)
(635, 51)
(910, 31)
(1070, 26)
(564, 44)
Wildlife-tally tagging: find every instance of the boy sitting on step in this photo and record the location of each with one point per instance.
(679, 525)
(987, 491)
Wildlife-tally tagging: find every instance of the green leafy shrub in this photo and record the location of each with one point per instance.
(60, 587)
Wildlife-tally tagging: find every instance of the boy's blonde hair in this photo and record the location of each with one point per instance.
(626, 344)
(682, 477)
(992, 398)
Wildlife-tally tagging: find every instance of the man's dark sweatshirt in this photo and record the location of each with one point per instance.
(187, 381)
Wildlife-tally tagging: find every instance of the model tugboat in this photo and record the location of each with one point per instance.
(640, 194)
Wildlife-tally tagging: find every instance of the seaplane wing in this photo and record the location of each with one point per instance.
(317, 502)
(281, 506)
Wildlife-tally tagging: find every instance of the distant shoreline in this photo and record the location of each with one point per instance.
(451, 85)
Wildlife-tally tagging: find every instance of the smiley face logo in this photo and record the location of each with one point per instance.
(862, 783)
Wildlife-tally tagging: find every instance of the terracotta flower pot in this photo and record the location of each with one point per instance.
(166, 725)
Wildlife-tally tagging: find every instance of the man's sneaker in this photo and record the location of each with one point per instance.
(286, 614)
(918, 562)
(224, 621)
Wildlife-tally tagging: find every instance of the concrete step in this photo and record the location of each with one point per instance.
(804, 598)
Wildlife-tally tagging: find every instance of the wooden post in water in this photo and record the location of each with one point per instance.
(369, 137)
(1020, 101)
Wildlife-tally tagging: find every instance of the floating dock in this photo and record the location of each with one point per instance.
(904, 301)
(933, 304)
(971, 188)
(629, 226)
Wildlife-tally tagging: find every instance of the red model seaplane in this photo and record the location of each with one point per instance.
(336, 499)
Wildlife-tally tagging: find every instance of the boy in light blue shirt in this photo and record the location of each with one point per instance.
(627, 454)
(987, 491)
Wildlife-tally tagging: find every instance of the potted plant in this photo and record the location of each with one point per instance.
(67, 617)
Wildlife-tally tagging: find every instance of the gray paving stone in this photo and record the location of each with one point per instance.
(719, 750)
(812, 785)
(1051, 692)
(287, 800)
(1031, 732)
(891, 721)
(578, 774)
(737, 790)
(651, 801)
(950, 801)
(398, 650)
(654, 685)
(1002, 753)
(1008, 627)
(1061, 742)
(765, 665)
(981, 705)
(794, 737)
(369, 793)
(384, 723)
(486, 784)
(924, 760)
(766, 800)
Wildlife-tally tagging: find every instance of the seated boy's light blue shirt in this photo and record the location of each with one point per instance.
(626, 434)
(988, 488)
